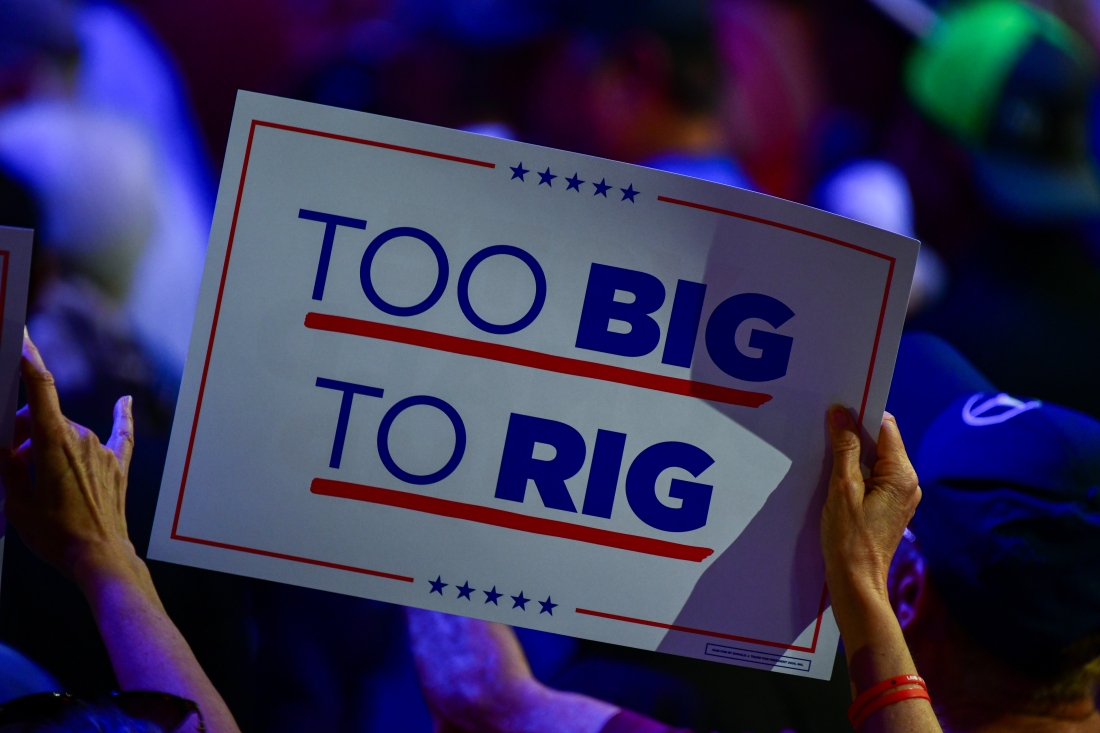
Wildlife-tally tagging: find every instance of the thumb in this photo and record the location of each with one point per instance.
(890, 446)
(121, 442)
(893, 470)
(846, 476)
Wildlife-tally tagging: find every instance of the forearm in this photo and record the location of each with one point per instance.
(876, 651)
(475, 677)
(531, 707)
(146, 649)
(557, 712)
(73, 515)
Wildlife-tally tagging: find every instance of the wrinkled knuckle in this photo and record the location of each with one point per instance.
(43, 377)
(848, 486)
(57, 433)
(846, 443)
(914, 499)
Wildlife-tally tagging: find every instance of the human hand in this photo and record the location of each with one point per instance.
(864, 519)
(73, 513)
(861, 525)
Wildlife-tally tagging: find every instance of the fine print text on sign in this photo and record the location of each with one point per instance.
(525, 385)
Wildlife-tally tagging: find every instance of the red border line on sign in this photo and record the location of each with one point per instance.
(862, 410)
(217, 310)
(508, 520)
(822, 237)
(776, 224)
(214, 327)
(375, 144)
(715, 634)
(533, 359)
(295, 558)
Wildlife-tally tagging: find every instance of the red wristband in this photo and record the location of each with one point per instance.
(874, 691)
(889, 698)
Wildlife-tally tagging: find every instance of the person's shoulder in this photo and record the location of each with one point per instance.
(628, 722)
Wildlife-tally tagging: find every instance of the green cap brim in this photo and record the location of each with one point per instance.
(957, 74)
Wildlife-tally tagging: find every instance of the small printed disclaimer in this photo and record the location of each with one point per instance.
(755, 657)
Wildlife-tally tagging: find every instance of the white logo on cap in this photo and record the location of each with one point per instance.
(977, 415)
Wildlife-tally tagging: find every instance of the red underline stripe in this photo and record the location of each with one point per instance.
(689, 630)
(508, 520)
(758, 220)
(376, 144)
(294, 558)
(534, 359)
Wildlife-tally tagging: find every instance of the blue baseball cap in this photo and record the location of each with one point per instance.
(1009, 522)
(928, 376)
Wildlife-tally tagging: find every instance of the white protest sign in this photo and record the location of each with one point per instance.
(525, 385)
(15, 274)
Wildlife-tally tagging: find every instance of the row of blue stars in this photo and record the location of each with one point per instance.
(574, 182)
(491, 596)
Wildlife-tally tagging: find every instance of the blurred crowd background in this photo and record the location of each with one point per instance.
(970, 125)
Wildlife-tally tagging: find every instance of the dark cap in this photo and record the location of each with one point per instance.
(1009, 522)
(1013, 82)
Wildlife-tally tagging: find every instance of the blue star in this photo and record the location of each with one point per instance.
(491, 596)
(602, 188)
(546, 177)
(519, 171)
(437, 585)
(464, 590)
(547, 606)
(629, 193)
(574, 183)
(520, 601)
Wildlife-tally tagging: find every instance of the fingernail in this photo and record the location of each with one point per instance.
(838, 416)
(130, 407)
(30, 351)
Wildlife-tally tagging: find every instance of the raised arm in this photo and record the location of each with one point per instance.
(862, 523)
(73, 516)
(475, 677)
